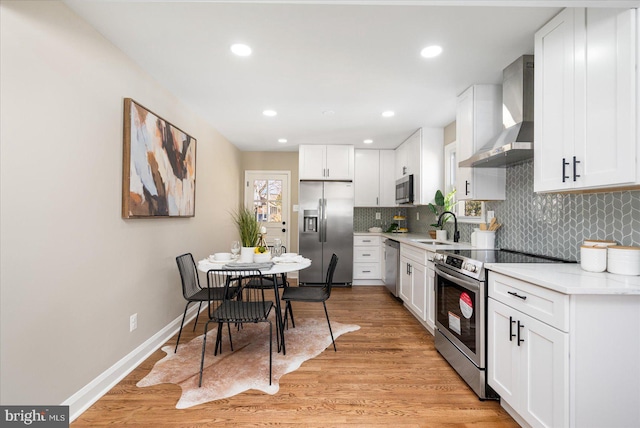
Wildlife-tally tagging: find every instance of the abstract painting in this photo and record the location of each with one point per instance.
(159, 168)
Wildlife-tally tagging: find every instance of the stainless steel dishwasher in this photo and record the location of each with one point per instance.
(391, 265)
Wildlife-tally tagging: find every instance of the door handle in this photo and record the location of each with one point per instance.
(575, 163)
(519, 327)
(564, 170)
(517, 295)
(511, 323)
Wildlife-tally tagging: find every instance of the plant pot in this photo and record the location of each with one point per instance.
(246, 254)
(432, 233)
(441, 235)
(262, 257)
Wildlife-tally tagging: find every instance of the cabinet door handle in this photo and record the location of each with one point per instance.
(517, 295)
(366, 255)
(466, 187)
(377, 202)
(564, 169)
(328, 173)
(366, 271)
(519, 327)
(511, 323)
(575, 163)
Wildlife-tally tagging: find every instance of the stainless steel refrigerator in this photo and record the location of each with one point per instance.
(325, 227)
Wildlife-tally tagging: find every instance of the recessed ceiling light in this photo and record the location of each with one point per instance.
(328, 112)
(431, 51)
(241, 49)
(270, 113)
(282, 140)
(388, 113)
(368, 141)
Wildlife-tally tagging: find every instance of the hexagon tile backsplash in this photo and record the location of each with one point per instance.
(556, 224)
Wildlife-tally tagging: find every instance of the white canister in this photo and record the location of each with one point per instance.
(593, 259)
(624, 260)
(486, 239)
(441, 235)
(474, 237)
(246, 254)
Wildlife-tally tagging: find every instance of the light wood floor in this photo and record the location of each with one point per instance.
(387, 373)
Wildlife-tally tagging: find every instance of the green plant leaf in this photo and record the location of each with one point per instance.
(439, 199)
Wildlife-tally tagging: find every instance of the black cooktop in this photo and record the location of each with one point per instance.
(505, 256)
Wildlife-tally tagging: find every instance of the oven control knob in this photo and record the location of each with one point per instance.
(472, 268)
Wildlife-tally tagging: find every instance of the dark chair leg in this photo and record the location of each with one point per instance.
(218, 340)
(181, 325)
(204, 344)
(328, 322)
(293, 322)
(197, 315)
(270, 349)
(230, 341)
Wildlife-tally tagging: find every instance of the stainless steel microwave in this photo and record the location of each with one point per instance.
(404, 190)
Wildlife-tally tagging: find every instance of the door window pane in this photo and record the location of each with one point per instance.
(267, 200)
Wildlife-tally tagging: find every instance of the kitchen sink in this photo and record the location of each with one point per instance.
(429, 242)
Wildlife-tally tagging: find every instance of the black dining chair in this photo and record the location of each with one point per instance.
(312, 294)
(250, 306)
(193, 292)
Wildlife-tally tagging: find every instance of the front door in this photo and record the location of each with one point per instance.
(268, 193)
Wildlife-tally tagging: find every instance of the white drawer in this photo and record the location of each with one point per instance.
(415, 254)
(366, 254)
(366, 271)
(359, 240)
(538, 302)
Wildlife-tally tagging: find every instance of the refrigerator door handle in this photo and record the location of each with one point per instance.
(320, 219)
(323, 221)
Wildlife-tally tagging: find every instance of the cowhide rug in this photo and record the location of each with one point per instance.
(247, 367)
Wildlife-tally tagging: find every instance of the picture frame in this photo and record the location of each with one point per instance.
(159, 166)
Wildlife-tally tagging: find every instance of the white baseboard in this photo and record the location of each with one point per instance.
(83, 399)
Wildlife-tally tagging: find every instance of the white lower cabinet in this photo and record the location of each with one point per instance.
(367, 257)
(417, 283)
(563, 360)
(528, 365)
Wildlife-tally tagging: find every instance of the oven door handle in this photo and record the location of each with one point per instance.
(470, 285)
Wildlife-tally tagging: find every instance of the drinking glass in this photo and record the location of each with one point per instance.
(277, 247)
(235, 248)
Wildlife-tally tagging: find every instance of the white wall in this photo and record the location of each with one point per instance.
(72, 270)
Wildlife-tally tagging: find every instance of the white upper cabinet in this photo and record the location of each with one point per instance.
(421, 155)
(331, 162)
(478, 120)
(374, 180)
(586, 101)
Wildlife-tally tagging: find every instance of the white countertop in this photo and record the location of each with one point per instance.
(569, 278)
(410, 238)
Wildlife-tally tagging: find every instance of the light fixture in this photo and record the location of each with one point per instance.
(241, 49)
(388, 113)
(368, 141)
(328, 112)
(282, 140)
(270, 113)
(431, 51)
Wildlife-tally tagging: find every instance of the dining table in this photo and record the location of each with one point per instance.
(278, 266)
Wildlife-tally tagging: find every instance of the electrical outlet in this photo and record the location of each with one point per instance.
(490, 215)
(378, 216)
(133, 322)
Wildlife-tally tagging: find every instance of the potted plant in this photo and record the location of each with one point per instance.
(441, 204)
(249, 229)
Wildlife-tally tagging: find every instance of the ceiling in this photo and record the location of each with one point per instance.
(328, 68)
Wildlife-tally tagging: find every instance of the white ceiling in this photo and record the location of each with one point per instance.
(355, 58)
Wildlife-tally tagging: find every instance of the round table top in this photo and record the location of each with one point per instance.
(205, 265)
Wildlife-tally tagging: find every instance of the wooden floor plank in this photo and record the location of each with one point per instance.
(387, 373)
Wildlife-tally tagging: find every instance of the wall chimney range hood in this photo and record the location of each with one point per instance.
(515, 143)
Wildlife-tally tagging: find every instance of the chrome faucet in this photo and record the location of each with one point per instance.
(456, 233)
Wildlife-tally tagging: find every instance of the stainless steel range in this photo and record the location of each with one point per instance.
(461, 317)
